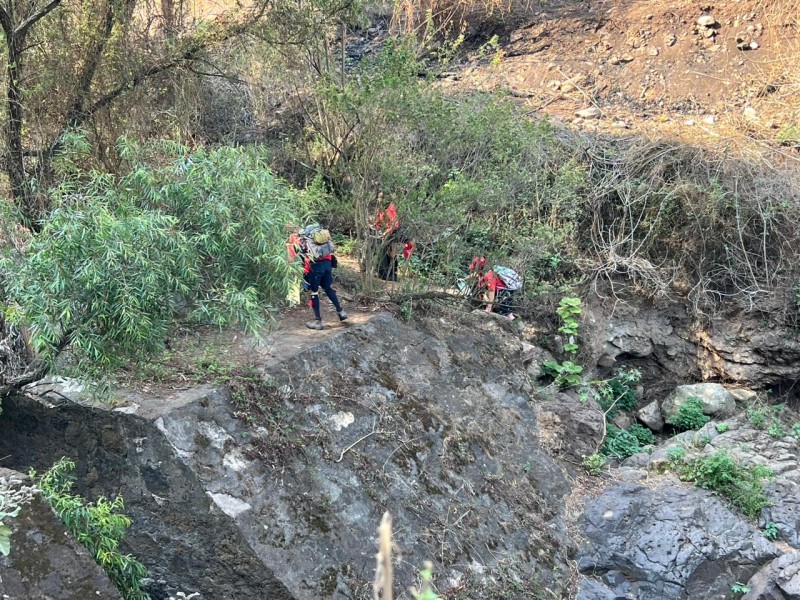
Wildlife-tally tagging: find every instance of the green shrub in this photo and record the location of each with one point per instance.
(676, 453)
(198, 237)
(689, 416)
(771, 531)
(758, 417)
(569, 309)
(722, 427)
(619, 443)
(776, 430)
(643, 434)
(594, 464)
(99, 527)
(741, 486)
(566, 374)
(618, 392)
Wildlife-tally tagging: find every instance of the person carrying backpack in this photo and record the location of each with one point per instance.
(502, 284)
(318, 250)
(498, 286)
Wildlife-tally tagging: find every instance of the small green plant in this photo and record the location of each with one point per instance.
(689, 416)
(757, 417)
(11, 501)
(619, 443)
(741, 486)
(676, 453)
(99, 527)
(426, 593)
(796, 430)
(776, 430)
(568, 309)
(722, 427)
(566, 374)
(643, 434)
(619, 392)
(594, 464)
(407, 310)
(739, 588)
(771, 531)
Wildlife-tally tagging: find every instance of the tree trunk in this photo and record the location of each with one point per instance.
(14, 161)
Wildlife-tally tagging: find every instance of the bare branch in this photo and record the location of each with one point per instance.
(23, 27)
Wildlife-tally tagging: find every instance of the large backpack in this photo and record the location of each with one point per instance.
(509, 277)
(318, 242)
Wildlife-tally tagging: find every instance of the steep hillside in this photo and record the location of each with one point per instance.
(699, 70)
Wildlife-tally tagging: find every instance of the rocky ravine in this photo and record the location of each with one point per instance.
(443, 424)
(432, 422)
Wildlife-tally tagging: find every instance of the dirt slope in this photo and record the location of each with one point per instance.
(650, 65)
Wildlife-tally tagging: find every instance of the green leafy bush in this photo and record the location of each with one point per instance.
(569, 309)
(771, 531)
(722, 427)
(643, 434)
(594, 464)
(99, 527)
(566, 374)
(676, 453)
(200, 237)
(776, 430)
(741, 486)
(758, 417)
(620, 444)
(619, 392)
(689, 416)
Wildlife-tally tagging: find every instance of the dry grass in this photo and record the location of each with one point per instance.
(383, 570)
(429, 19)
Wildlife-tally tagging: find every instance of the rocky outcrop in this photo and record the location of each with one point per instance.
(779, 580)
(178, 532)
(716, 400)
(667, 543)
(733, 348)
(280, 496)
(46, 562)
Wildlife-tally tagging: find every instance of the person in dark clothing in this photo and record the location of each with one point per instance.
(318, 253)
(319, 275)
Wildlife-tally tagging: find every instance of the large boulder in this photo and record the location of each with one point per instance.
(779, 580)
(716, 400)
(45, 562)
(668, 543)
(277, 493)
(650, 415)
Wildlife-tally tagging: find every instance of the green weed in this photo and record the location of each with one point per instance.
(99, 527)
(689, 416)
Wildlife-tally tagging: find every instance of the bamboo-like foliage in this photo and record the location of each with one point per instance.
(99, 526)
(122, 259)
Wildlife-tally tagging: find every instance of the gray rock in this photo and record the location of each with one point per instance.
(743, 395)
(650, 415)
(715, 398)
(623, 421)
(589, 113)
(433, 421)
(590, 589)
(706, 21)
(779, 580)
(46, 562)
(669, 542)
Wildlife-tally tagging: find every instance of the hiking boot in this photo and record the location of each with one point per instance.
(315, 325)
(342, 315)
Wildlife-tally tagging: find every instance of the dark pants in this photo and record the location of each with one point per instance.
(321, 275)
(387, 268)
(505, 301)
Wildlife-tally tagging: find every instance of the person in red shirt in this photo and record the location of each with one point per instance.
(495, 291)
